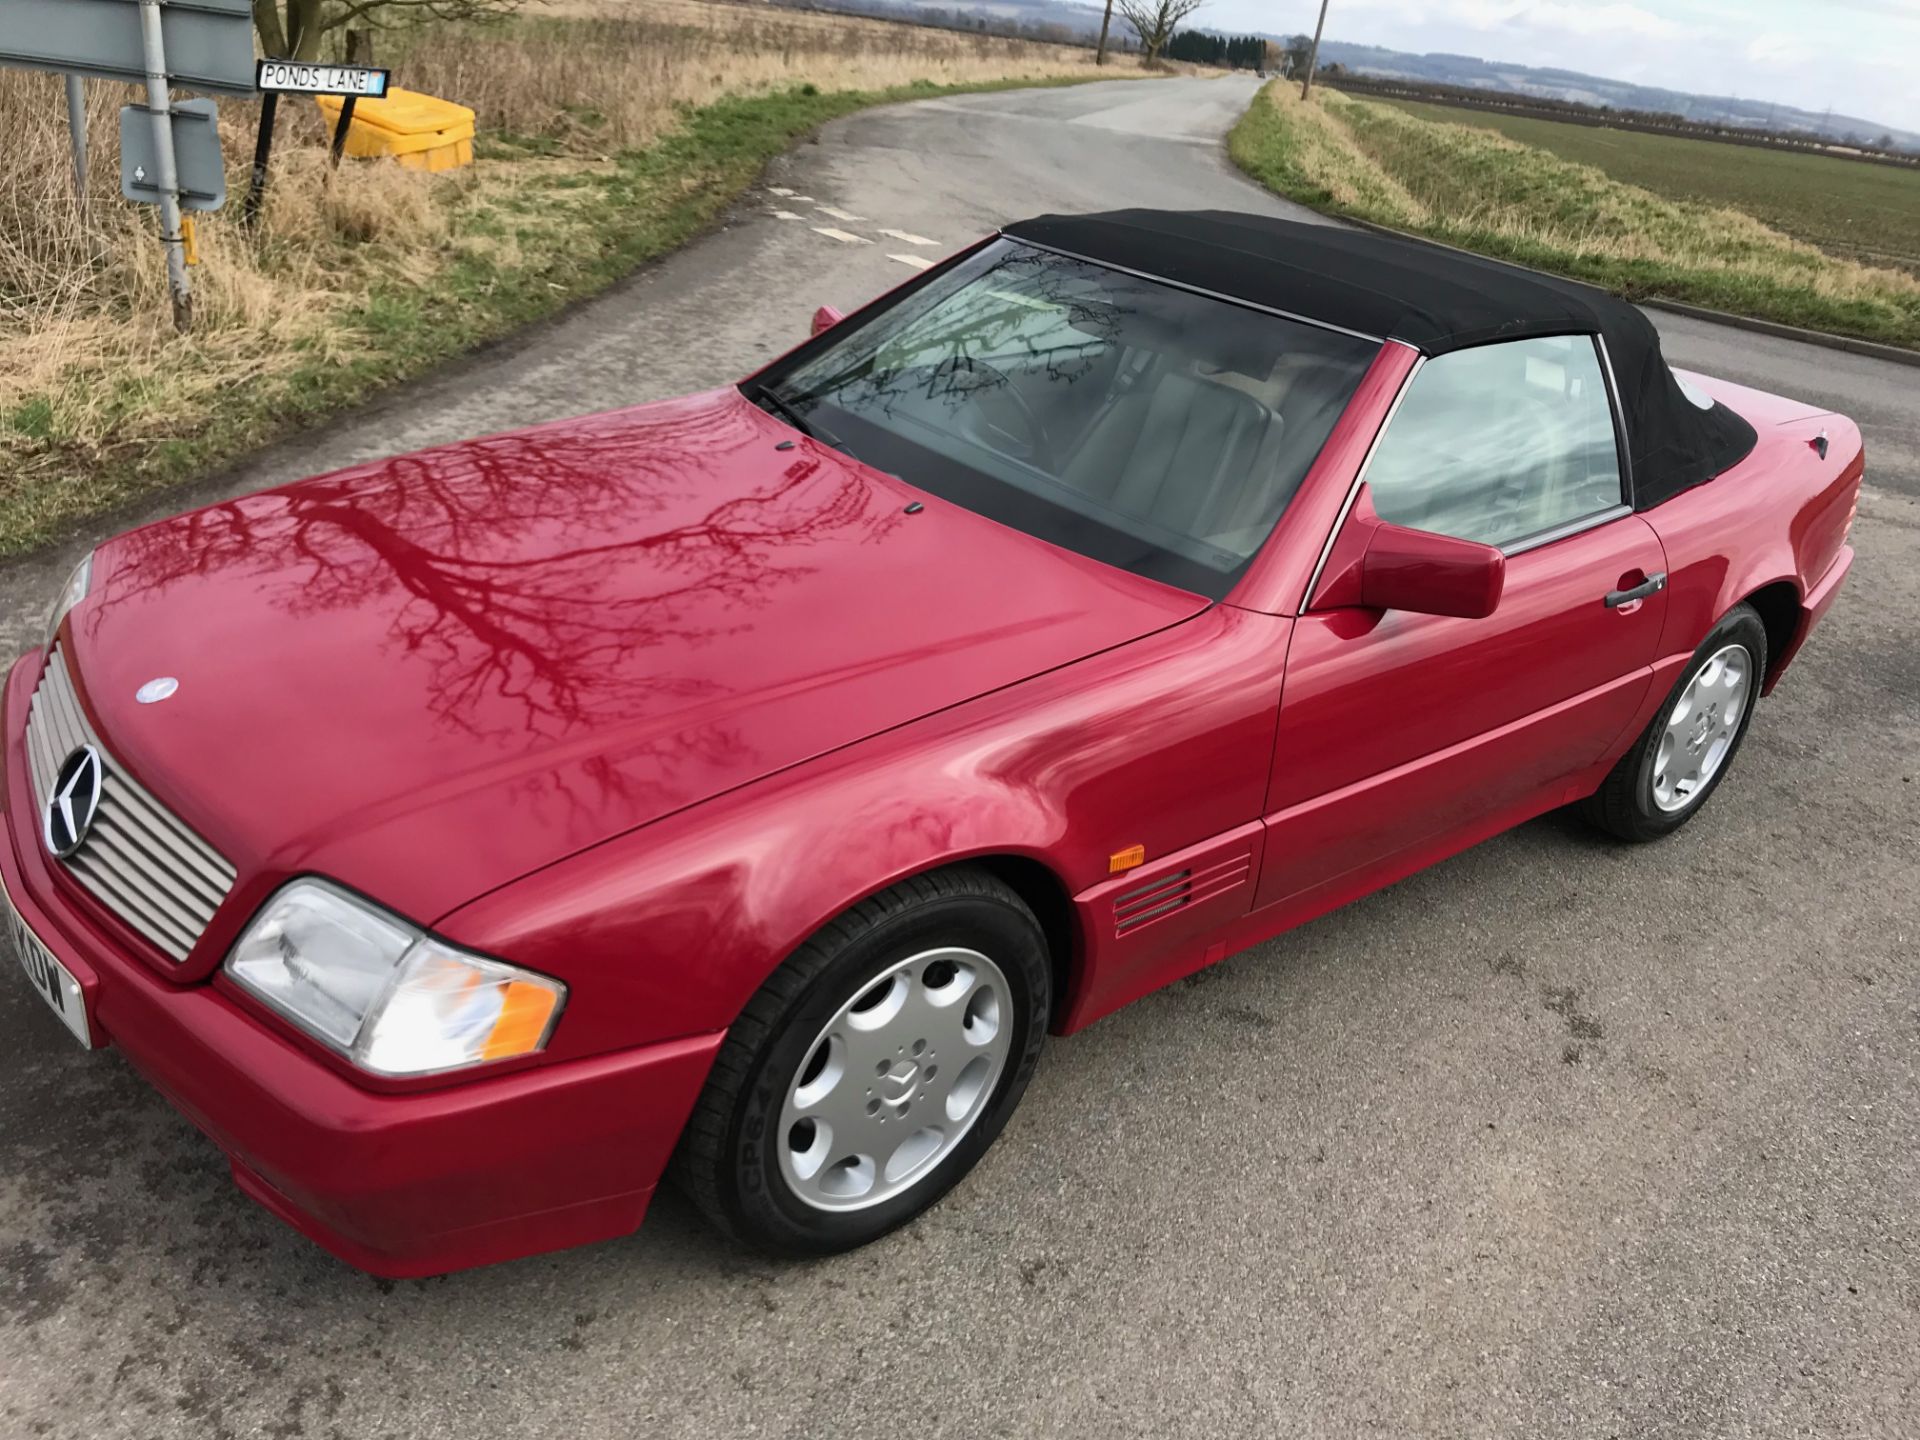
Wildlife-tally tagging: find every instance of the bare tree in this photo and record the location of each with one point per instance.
(297, 29)
(1298, 51)
(1100, 55)
(1155, 21)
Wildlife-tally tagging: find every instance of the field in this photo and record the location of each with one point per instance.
(1863, 212)
(1471, 186)
(609, 133)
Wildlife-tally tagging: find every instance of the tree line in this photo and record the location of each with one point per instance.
(1203, 47)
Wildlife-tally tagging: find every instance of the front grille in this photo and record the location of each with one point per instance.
(139, 860)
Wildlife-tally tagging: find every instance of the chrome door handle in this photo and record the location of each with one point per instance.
(1652, 585)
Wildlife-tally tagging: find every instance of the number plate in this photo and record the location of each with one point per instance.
(53, 981)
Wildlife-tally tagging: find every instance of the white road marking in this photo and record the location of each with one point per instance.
(914, 260)
(842, 236)
(836, 214)
(908, 237)
(779, 189)
(787, 215)
(800, 199)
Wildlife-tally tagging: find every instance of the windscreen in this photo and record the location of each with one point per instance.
(1153, 428)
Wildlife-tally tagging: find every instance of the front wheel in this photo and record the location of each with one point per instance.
(873, 1069)
(1685, 752)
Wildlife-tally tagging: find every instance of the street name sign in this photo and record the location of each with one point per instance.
(208, 43)
(196, 154)
(358, 81)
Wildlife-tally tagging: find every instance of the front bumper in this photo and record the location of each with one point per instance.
(397, 1184)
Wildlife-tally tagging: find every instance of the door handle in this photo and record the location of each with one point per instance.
(1652, 585)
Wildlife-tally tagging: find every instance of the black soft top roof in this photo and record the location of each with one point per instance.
(1428, 296)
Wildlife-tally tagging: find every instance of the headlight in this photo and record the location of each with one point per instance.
(391, 999)
(71, 594)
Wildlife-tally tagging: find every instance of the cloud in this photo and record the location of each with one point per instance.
(1559, 16)
(1770, 47)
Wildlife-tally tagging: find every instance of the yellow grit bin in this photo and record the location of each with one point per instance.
(422, 132)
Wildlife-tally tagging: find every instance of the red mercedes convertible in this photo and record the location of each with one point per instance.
(740, 788)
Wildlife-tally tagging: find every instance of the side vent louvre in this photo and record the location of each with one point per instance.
(1141, 906)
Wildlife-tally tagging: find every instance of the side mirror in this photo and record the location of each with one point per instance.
(825, 318)
(1431, 574)
(1380, 566)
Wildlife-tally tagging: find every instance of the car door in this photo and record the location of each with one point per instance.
(1398, 731)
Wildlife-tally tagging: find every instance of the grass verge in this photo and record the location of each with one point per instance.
(605, 142)
(1469, 186)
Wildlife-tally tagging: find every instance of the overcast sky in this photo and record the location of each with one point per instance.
(1862, 57)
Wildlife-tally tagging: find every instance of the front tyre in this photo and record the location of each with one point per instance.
(1685, 752)
(873, 1069)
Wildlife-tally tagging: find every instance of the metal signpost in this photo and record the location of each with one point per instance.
(277, 77)
(203, 44)
(77, 133)
(160, 111)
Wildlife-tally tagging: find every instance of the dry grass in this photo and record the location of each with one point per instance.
(98, 394)
(1473, 187)
(87, 351)
(597, 86)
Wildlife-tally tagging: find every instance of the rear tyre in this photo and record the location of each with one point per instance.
(1685, 752)
(873, 1069)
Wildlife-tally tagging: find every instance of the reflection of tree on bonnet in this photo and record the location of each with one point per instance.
(534, 567)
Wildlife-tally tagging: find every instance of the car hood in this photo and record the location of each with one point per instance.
(428, 676)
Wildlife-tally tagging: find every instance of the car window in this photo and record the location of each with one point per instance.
(1500, 442)
(1147, 426)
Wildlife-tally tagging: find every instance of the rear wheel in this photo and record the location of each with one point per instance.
(1684, 753)
(873, 1069)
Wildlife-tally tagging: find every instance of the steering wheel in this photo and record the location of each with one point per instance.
(1034, 447)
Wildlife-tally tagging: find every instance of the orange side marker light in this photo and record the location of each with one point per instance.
(1127, 859)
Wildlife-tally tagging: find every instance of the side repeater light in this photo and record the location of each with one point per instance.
(1127, 859)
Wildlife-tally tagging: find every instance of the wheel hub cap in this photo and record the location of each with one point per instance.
(895, 1079)
(1701, 730)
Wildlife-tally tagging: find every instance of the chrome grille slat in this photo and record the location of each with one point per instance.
(39, 750)
(169, 932)
(46, 725)
(150, 851)
(139, 860)
(143, 809)
(69, 723)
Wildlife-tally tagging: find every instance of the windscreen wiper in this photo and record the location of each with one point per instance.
(812, 429)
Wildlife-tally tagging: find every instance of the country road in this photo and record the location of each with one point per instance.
(1557, 1139)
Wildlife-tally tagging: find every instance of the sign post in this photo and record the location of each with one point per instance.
(262, 152)
(160, 108)
(276, 77)
(77, 134)
(340, 129)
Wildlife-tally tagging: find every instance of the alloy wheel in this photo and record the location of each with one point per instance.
(895, 1079)
(1701, 728)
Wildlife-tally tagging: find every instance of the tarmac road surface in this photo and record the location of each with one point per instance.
(1557, 1139)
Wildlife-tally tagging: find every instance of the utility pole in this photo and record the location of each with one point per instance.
(1100, 55)
(160, 108)
(1313, 55)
